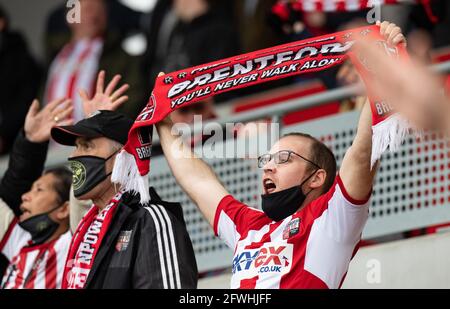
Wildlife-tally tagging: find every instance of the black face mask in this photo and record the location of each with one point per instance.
(41, 227)
(280, 205)
(87, 171)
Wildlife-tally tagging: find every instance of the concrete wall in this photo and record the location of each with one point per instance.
(420, 262)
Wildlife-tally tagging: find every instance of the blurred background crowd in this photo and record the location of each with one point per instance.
(139, 38)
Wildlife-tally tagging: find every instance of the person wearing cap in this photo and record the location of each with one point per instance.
(119, 242)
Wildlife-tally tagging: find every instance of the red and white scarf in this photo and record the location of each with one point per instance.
(345, 5)
(185, 87)
(341, 5)
(85, 244)
(349, 5)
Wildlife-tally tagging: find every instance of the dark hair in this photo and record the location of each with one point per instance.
(63, 182)
(322, 156)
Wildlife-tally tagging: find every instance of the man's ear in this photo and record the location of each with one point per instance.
(63, 212)
(318, 179)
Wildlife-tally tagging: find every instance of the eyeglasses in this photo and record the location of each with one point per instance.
(280, 157)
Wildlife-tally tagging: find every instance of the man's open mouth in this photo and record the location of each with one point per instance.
(269, 186)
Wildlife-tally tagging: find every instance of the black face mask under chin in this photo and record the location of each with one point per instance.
(280, 205)
(41, 227)
(87, 171)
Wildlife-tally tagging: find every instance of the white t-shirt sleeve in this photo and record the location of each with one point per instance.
(345, 218)
(233, 219)
(12, 236)
(6, 218)
(335, 235)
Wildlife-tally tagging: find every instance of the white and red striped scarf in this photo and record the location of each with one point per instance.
(346, 5)
(184, 87)
(86, 242)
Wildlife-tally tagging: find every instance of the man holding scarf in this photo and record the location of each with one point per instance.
(119, 243)
(311, 220)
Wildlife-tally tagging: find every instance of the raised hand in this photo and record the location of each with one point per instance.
(38, 123)
(409, 87)
(392, 33)
(104, 99)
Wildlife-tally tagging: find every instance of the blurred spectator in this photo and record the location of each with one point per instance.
(255, 32)
(288, 20)
(347, 74)
(121, 19)
(293, 24)
(90, 47)
(19, 82)
(420, 44)
(434, 18)
(188, 33)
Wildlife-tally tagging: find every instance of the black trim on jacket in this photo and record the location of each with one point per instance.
(26, 163)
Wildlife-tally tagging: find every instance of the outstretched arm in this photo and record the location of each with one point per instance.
(355, 171)
(194, 176)
(30, 150)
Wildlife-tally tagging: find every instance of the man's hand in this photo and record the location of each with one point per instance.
(38, 123)
(412, 89)
(104, 99)
(392, 33)
(347, 73)
(355, 171)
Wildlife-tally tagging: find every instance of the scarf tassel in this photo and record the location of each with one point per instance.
(126, 173)
(388, 134)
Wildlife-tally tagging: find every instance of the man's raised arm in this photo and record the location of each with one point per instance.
(194, 176)
(355, 171)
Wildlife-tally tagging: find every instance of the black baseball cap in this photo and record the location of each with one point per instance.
(102, 123)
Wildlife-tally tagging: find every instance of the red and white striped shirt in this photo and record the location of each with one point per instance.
(33, 266)
(344, 5)
(74, 68)
(310, 249)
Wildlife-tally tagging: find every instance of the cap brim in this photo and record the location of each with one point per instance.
(66, 135)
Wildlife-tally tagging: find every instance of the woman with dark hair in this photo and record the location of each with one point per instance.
(34, 208)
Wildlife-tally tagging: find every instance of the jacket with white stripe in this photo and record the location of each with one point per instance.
(145, 247)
